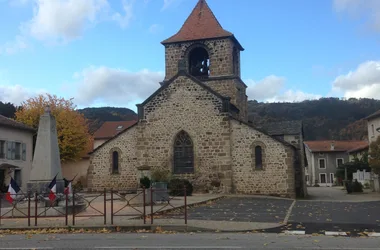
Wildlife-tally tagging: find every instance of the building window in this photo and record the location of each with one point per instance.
(339, 162)
(322, 178)
(17, 151)
(2, 149)
(373, 130)
(24, 152)
(235, 61)
(18, 176)
(115, 162)
(258, 158)
(322, 163)
(183, 154)
(199, 62)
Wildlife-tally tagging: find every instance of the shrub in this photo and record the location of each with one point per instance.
(80, 183)
(159, 175)
(145, 182)
(357, 186)
(176, 187)
(366, 185)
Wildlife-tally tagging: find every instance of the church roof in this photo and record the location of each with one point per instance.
(284, 128)
(201, 24)
(374, 115)
(7, 122)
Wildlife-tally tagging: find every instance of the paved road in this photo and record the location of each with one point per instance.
(184, 241)
(247, 209)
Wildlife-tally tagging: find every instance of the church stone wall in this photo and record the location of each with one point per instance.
(277, 175)
(100, 176)
(185, 105)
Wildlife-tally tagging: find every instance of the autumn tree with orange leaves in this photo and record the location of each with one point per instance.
(74, 138)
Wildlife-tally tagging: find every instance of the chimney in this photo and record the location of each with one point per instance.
(332, 147)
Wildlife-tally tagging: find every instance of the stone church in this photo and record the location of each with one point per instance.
(196, 125)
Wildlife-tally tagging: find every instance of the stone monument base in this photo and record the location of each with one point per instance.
(42, 187)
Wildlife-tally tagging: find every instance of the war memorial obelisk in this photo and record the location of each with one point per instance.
(46, 161)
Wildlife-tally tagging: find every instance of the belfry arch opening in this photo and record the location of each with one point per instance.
(199, 62)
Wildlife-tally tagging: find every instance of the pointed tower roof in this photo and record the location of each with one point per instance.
(201, 24)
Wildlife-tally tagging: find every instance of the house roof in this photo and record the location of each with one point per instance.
(201, 24)
(112, 128)
(339, 146)
(359, 148)
(374, 115)
(10, 123)
(284, 128)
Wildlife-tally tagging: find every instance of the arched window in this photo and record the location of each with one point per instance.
(199, 62)
(258, 158)
(115, 162)
(183, 154)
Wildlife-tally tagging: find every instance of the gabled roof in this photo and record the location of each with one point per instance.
(183, 73)
(7, 122)
(284, 128)
(264, 132)
(359, 148)
(374, 115)
(201, 24)
(338, 146)
(112, 128)
(164, 86)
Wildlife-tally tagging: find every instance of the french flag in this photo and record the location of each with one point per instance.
(68, 189)
(53, 189)
(13, 189)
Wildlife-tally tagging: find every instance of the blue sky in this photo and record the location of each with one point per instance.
(109, 53)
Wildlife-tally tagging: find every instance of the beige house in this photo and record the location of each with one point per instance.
(373, 125)
(196, 125)
(357, 152)
(16, 152)
(324, 157)
(79, 168)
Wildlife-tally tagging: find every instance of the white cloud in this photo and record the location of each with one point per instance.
(169, 3)
(155, 28)
(16, 94)
(367, 9)
(114, 86)
(15, 46)
(272, 89)
(364, 81)
(126, 19)
(63, 20)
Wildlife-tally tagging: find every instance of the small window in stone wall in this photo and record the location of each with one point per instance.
(258, 158)
(115, 162)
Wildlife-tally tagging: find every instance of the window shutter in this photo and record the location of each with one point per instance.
(13, 150)
(24, 152)
(9, 150)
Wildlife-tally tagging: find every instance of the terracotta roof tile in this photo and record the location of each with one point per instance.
(339, 146)
(374, 115)
(359, 148)
(110, 129)
(7, 122)
(201, 24)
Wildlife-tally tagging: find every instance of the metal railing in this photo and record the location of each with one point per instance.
(133, 204)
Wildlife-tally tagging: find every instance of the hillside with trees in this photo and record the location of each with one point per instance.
(326, 118)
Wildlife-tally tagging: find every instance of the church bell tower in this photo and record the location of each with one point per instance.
(211, 54)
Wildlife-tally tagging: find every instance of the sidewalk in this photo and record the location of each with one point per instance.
(124, 214)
